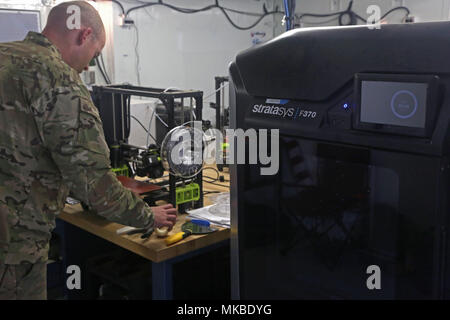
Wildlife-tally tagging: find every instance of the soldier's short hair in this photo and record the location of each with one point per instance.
(89, 17)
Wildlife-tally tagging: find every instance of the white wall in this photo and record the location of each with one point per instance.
(185, 51)
(422, 10)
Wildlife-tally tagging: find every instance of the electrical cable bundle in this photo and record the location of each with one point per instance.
(348, 14)
(224, 10)
(345, 17)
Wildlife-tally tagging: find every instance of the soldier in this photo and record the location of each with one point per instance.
(52, 143)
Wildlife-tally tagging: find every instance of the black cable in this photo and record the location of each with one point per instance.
(238, 27)
(218, 175)
(120, 5)
(360, 18)
(208, 192)
(150, 125)
(138, 60)
(213, 179)
(394, 9)
(317, 15)
(128, 114)
(351, 13)
(210, 181)
(216, 184)
(217, 172)
(186, 10)
(408, 12)
(352, 17)
(104, 68)
(319, 22)
(251, 26)
(252, 14)
(101, 70)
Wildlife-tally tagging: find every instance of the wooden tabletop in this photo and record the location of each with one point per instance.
(153, 248)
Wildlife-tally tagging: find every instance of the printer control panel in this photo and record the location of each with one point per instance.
(398, 104)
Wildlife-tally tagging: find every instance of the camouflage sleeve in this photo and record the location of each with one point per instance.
(73, 133)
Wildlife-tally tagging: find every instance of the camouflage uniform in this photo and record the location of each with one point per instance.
(51, 142)
(23, 281)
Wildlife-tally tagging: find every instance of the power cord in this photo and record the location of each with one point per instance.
(105, 77)
(209, 192)
(149, 126)
(408, 12)
(219, 177)
(136, 50)
(100, 63)
(217, 184)
(217, 173)
(104, 68)
(120, 5)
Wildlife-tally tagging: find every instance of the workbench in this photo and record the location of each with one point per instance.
(154, 249)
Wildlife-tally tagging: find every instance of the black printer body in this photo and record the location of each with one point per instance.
(358, 208)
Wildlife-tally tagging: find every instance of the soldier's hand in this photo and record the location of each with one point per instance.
(165, 216)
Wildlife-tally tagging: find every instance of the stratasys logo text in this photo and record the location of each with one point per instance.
(274, 110)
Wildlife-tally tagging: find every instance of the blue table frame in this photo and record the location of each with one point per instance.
(78, 245)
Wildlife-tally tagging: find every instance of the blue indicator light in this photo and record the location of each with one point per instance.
(345, 106)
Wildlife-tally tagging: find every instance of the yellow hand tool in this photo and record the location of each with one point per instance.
(189, 228)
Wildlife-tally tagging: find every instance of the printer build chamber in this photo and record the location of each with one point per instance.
(363, 175)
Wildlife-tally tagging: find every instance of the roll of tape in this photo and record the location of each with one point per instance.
(161, 232)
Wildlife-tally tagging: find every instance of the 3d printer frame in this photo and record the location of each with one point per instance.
(222, 119)
(111, 101)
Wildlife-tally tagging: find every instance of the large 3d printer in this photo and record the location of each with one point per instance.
(363, 176)
(113, 103)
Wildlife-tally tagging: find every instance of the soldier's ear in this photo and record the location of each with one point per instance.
(84, 35)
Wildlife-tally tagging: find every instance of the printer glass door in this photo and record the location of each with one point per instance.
(338, 222)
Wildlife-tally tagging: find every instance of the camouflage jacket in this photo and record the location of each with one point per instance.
(51, 142)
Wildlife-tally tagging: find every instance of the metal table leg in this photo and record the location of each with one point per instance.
(162, 280)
